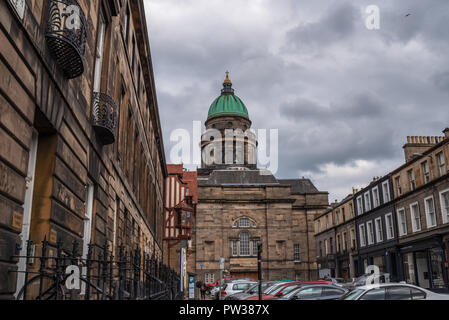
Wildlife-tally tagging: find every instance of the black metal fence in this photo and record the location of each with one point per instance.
(53, 273)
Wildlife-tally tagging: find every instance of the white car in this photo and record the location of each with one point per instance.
(235, 287)
(392, 291)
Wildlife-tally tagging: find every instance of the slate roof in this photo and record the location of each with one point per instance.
(255, 177)
(237, 177)
(300, 185)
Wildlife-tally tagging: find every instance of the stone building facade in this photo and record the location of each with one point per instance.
(240, 206)
(421, 191)
(180, 199)
(402, 219)
(376, 227)
(336, 241)
(81, 151)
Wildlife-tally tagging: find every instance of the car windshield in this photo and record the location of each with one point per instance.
(273, 289)
(288, 289)
(254, 288)
(352, 295)
(292, 292)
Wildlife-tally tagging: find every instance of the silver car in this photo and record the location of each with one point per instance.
(392, 291)
(235, 287)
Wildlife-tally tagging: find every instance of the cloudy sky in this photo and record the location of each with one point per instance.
(343, 97)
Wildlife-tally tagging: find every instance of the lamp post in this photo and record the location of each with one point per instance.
(259, 268)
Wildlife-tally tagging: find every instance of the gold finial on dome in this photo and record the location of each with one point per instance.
(227, 80)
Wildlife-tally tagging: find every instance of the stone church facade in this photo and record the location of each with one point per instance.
(240, 205)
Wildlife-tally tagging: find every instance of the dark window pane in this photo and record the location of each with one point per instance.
(332, 292)
(374, 294)
(417, 294)
(399, 293)
(308, 293)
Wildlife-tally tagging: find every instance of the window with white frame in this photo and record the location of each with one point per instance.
(431, 217)
(296, 252)
(444, 200)
(425, 171)
(411, 179)
(362, 235)
(415, 216)
(234, 248)
(441, 163)
(398, 186)
(376, 199)
(359, 205)
(209, 278)
(99, 52)
(379, 230)
(402, 221)
(254, 243)
(244, 244)
(389, 225)
(367, 201)
(386, 191)
(353, 239)
(370, 229)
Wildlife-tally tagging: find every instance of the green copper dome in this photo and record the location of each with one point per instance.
(228, 103)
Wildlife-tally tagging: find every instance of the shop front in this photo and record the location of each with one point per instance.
(343, 270)
(424, 265)
(385, 260)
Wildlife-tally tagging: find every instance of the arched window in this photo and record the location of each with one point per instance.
(244, 223)
(244, 244)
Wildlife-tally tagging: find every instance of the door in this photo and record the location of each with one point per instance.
(422, 268)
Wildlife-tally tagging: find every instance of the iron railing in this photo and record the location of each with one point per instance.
(53, 273)
(104, 117)
(65, 33)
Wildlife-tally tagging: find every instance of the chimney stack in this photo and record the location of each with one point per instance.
(446, 133)
(416, 145)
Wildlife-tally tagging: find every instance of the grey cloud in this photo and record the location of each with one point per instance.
(441, 80)
(337, 91)
(335, 25)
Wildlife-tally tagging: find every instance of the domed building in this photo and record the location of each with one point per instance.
(228, 142)
(239, 207)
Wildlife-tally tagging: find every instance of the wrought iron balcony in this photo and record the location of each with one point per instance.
(65, 33)
(104, 117)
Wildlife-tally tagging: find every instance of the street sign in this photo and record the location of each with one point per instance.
(191, 287)
(222, 260)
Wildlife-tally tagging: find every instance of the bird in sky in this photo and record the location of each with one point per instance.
(407, 14)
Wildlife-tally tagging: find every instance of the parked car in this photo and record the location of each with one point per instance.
(338, 281)
(393, 291)
(251, 291)
(363, 279)
(235, 287)
(283, 289)
(315, 292)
